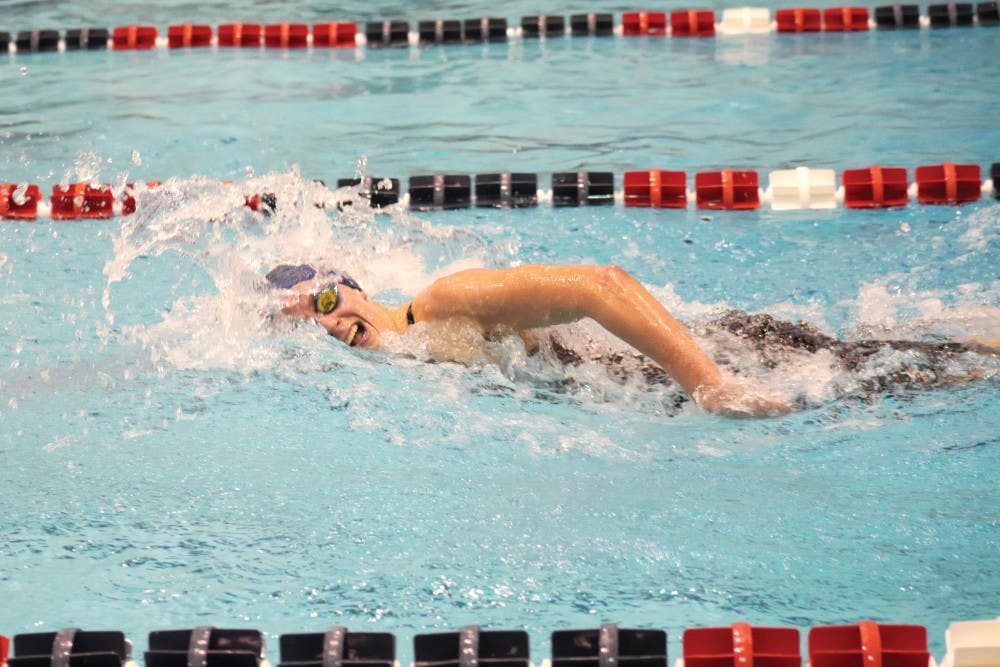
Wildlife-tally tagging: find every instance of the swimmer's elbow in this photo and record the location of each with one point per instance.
(615, 273)
(590, 290)
(612, 276)
(613, 284)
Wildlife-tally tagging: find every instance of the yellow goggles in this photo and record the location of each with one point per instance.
(326, 301)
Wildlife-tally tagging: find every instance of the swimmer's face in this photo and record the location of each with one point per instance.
(354, 320)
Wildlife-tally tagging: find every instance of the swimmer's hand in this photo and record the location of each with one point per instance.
(738, 400)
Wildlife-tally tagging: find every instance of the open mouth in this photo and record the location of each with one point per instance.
(357, 335)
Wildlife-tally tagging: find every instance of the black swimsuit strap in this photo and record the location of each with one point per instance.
(409, 314)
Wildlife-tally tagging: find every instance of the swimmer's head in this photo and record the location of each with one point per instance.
(286, 276)
(333, 299)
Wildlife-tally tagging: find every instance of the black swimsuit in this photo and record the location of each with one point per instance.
(409, 314)
(929, 365)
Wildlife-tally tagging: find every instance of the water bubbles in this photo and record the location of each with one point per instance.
(86, 169)
(136, 158)
(24, 71)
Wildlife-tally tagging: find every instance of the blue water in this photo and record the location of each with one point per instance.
(168, 460)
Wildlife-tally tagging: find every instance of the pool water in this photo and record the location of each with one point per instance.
(170, 458)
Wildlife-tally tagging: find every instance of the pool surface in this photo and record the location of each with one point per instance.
(170, 458)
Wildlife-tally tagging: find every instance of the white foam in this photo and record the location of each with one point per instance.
(894, 306)
(206, 225)
(983, 229)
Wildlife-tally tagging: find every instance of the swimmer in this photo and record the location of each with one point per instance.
(524, 299)
(521, 299)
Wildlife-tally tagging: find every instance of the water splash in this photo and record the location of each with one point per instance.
(86, 169)
(894, 307)
(185, 279)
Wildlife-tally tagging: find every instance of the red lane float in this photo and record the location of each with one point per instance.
(240, 34)
(692, 23)
(868, 643)
(80, 200)
(656, 188)
(644, 23)
(948, 183)
(133, 37)
(798, 20)
(189, 35)
(338, 35)
(286, 36)
(19, 202)
(875, 187)
(845, 19)
(727, 189)
(742, 644)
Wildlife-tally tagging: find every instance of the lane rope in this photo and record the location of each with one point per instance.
(725, 189)
(398, 33)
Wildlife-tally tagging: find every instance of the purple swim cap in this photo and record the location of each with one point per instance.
(285, 276)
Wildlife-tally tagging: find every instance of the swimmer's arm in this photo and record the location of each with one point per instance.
(539, 295)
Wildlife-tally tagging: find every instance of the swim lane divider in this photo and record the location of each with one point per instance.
(400, 33)
(724, 189)
(866, 643)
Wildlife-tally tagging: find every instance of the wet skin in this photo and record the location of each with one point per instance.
(356, 321)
